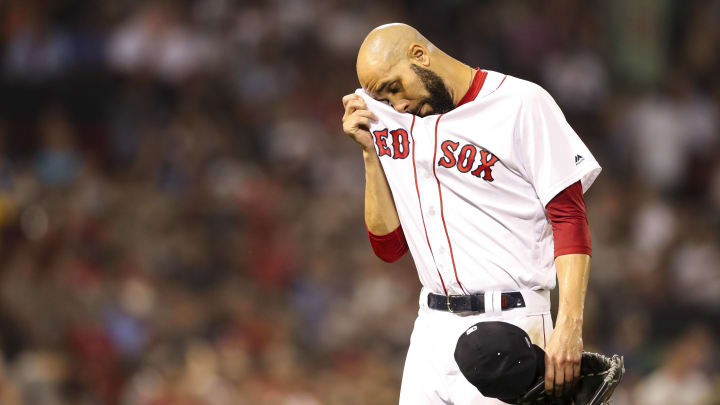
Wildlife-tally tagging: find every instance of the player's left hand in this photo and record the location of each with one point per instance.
(562, 357)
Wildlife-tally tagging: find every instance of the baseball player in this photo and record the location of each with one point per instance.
(481, 178)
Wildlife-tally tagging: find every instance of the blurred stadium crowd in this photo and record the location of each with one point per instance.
(181, 215)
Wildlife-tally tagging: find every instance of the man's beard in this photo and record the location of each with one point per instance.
(440, 99)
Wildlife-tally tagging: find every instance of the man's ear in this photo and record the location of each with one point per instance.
(419, 54)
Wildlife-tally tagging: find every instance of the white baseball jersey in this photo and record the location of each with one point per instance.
(470, 186)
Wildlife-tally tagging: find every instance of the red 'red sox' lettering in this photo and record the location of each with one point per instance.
(400, 138)
(465, 159)
(381, 142)
(400, 143)
(486, 162)
(448, 148)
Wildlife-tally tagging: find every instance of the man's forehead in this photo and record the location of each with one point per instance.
(376, 80)
(370, 70)
(375, 63)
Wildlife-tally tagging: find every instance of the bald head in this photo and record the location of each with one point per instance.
(399, 65)
(385, 46)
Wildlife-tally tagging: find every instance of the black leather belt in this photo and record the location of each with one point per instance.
(473, 303)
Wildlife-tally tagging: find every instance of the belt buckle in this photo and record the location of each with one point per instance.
(449, 308)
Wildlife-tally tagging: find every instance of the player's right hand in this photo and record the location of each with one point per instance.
(356, 121)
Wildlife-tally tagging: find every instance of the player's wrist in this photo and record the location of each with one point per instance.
(569, 321)
(369, 154)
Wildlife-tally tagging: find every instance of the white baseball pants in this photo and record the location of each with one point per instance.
(431, 376)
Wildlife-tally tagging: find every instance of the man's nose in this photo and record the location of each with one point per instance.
(401, 106)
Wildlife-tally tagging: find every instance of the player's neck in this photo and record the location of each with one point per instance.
(458, 78)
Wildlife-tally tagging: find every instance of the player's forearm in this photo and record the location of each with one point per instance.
(573, 272)
(381, 216)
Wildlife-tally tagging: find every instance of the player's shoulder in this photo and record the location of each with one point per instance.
(514, 87)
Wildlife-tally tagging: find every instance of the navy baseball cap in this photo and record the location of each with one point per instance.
(499, 359)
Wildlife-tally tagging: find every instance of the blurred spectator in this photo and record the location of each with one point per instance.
(155, 39)
(640, 32)
(695, 268)
(57, 162)
(36, 50)
(577, 80)
(667, 131)
(681, 380)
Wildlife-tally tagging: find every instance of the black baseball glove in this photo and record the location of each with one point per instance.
(499, 359)
(599, 376)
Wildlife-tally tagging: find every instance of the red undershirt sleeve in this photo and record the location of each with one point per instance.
(390, 247)
(568, 217)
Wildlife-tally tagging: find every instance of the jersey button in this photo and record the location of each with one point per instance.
(431, 211)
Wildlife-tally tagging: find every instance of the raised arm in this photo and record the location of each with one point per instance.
(381, 216)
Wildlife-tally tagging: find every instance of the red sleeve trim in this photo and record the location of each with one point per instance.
(568, 217)
(390, 247)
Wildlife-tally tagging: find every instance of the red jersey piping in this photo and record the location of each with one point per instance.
(503, 81)
(417, 189)
(442, 215)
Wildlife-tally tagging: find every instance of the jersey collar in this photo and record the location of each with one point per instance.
(475, 87)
